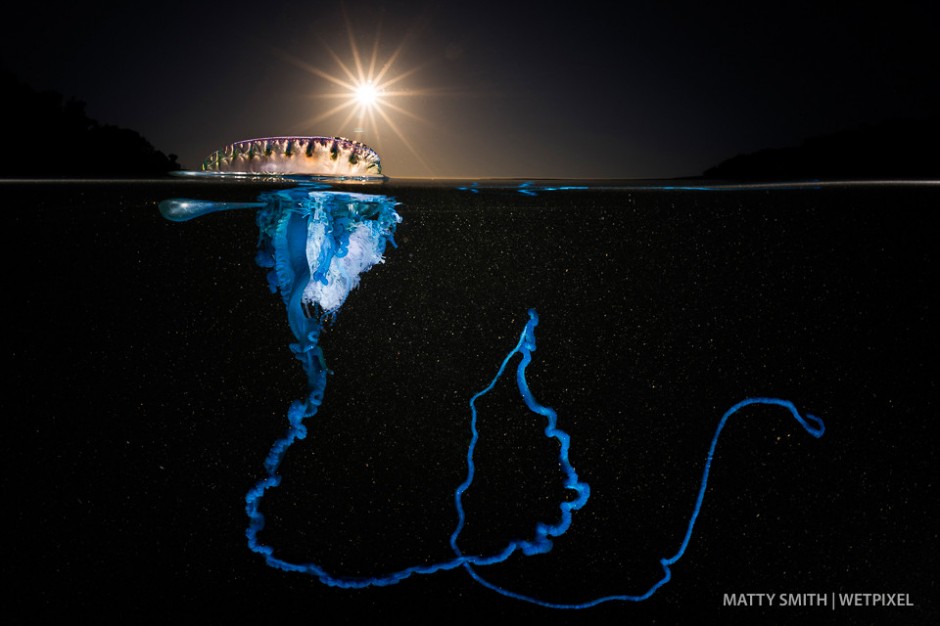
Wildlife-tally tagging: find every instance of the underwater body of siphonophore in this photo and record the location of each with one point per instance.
(316, 243)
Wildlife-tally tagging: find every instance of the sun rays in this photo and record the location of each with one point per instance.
(366, 94)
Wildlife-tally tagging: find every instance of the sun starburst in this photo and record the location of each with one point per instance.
(369, 91)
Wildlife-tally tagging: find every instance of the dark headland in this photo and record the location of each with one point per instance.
(49, 136)
(892, 149)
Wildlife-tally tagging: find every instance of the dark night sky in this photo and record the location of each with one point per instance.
(625, 90)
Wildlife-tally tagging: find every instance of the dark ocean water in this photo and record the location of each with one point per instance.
(150, 374)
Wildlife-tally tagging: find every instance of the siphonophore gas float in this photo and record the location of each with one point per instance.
(315, 156)
(316, 243)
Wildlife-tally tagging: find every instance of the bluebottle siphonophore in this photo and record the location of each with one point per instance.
(316, 244)
(315, 156)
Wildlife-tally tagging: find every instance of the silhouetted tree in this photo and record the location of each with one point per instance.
(46, 136)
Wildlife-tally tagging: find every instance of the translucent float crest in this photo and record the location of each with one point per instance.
(314, 156)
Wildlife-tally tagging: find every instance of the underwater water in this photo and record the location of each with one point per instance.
(151, 374)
